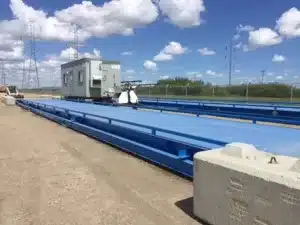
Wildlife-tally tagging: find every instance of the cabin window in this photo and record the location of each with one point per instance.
(96, 82)
(80, 77)
(65, 77)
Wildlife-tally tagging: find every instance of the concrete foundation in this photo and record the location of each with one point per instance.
(243, 186)
(8, 100)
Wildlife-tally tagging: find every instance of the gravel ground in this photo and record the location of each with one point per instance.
(52, 175)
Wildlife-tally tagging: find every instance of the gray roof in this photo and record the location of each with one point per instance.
(83, 60)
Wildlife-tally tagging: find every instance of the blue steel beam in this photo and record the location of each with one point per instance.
(167, 152)
(263, 114)
(244, 102)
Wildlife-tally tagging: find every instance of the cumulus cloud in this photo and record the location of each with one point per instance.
(206, 51)
(279, 78)
(120, 17)
(170, 50)
(263, 37)
(162, 56)
(210, 72)
(174, 48)
(213, 73)
(288, 24)
(114, 17)
(150, 65)
(183, 13)
(244, 28)
(278, 58)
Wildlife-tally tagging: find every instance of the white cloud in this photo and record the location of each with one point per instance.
(163, 57)
(46, 27)
(114, 17)
(16, 53)
(183, 13)
(296, 77)
(126, 53)
(278, 58)
(270, 73)
(236, 37)
(289, 23)
(206, 51)
(237, 71)
(263, 37)
(279, 78)
(164, 77)
(244, 28)
(174, 48)
(130, 71)
(213, 73)
(210, 72)
(149, 65)
(239, 45)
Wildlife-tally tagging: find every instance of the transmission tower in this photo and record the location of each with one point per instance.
(32, 67)
(230, 50)
(3, 75)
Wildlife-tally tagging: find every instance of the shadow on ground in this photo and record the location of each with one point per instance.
(186, 205)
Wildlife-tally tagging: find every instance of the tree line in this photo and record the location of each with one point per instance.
(182, 86)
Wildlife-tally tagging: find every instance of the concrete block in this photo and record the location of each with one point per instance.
(241, 185)
(45, 96)
(8, 100)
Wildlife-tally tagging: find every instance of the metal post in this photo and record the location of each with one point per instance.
(247, 91)
(292, 93)
(186, 90)
(213, 91)
(167, 90)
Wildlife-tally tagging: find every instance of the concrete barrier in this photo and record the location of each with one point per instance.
(8, 100)
(240, 185)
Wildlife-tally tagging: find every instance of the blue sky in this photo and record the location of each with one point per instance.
(218, 25)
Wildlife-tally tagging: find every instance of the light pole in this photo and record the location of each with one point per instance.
(247, 90)
(292, 93)
(167, 90)
(186, 90)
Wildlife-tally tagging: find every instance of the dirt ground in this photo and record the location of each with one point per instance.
(52, 175)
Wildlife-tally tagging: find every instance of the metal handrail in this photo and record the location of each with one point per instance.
(274, 106)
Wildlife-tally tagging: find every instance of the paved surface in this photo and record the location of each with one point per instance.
(280, 140)
(52, 175)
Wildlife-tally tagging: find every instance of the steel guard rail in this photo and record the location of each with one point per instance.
(239, 102)
(244, 116)
(219, 104)
(164, 151)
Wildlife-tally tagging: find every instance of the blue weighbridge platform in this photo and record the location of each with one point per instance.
(168, 140)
